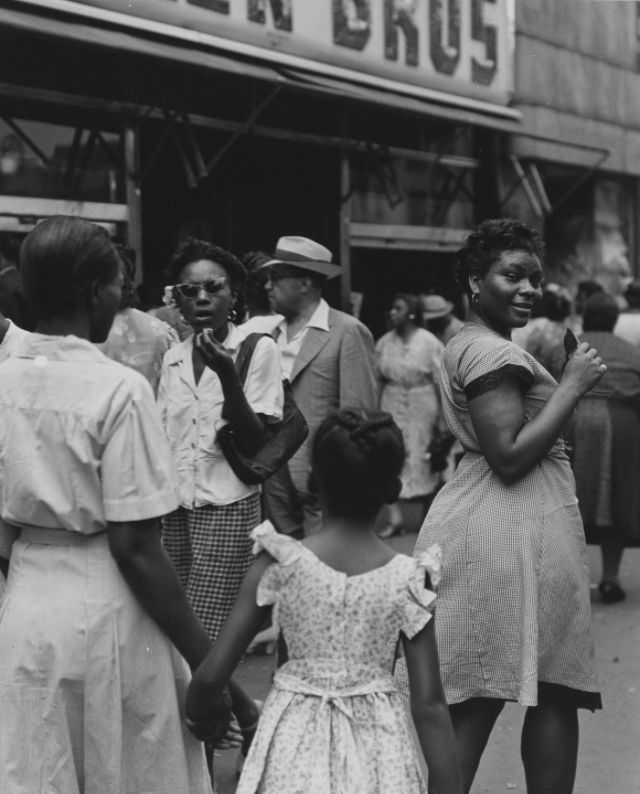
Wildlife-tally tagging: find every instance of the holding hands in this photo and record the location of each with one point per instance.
(213, 721)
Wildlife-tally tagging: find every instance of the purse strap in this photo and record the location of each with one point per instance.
(245, 354)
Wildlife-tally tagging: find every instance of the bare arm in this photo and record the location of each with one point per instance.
(241, 626)
(512, 446)
(430, 712)
(138, 552)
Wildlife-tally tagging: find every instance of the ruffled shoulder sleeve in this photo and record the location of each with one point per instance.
(420, 593)
(284, 550)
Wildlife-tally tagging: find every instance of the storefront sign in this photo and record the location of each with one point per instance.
(456, 46)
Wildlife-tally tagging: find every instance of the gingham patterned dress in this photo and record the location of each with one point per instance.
(513, 603)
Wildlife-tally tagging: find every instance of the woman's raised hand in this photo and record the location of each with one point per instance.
(584, 368)
(215, 355)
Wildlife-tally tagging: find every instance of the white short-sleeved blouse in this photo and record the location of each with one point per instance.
(192, 415)
(81, 442)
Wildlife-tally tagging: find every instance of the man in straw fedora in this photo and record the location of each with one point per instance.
(438, 317)
(327, 355)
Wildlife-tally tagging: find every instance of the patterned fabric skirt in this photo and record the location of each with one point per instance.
(211, 551)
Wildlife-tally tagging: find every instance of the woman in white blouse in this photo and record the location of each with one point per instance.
(207, 537)
(91, 689)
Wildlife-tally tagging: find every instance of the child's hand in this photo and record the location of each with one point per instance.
(211, 719)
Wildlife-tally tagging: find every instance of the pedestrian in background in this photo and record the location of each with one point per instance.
(628, 325)
(14, 303)
(513, 612)
(327, 355)
(137, 339)
(605, 439)
(438, 317)
(334, 720)
(408, 364)
(543, 334)
(207, 537)
(91, 689)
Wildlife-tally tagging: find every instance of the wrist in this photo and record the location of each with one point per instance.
(570, 390)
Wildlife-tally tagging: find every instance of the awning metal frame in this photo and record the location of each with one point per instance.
(530, 179)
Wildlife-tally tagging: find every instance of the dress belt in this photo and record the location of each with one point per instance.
(333, 695)
(46, 536)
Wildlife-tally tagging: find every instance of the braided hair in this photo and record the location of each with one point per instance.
(357, 457)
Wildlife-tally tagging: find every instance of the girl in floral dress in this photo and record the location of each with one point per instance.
(334, 720)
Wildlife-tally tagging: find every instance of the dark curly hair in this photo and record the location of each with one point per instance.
(60, 260)
(192, 250)
(485, 244)
(356, 458)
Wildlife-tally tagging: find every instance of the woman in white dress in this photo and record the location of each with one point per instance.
(91, 687)
(408, 359)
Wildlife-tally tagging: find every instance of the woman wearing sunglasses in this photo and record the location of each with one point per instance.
(207, 537)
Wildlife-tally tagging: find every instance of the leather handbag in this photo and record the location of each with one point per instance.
(283, 438)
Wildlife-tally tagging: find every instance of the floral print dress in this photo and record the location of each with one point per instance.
(334, 721)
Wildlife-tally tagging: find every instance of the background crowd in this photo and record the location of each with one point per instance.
(454, 425)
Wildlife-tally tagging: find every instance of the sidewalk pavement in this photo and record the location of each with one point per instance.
(609, 761)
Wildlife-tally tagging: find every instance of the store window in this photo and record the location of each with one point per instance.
(52, 161)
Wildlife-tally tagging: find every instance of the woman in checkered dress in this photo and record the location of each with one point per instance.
(207, 537)
(513, 610)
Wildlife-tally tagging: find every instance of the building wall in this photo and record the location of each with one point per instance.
(576, 80)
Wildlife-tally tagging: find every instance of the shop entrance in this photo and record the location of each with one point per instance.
(377, 275)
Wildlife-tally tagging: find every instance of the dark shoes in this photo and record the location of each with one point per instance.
(611, 592)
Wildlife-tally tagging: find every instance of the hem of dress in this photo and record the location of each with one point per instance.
(590, 700)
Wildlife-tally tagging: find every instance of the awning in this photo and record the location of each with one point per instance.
(73, 27)
(78, 29)
(397, 101)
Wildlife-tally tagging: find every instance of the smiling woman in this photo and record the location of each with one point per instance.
(513, 620)
(207, 537)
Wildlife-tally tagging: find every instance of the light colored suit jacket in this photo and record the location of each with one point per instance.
(334, 369)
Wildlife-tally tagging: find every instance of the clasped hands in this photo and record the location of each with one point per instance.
(212, 721)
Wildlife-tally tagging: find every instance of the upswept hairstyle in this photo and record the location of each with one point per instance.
(413, 304)
(192, 250)
(60, 259)
(356, 458)
(485, 244)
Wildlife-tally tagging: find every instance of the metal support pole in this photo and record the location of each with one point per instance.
(345, 231)
(131, 148)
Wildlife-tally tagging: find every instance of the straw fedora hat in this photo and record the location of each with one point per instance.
(434, 306)
(306, 254)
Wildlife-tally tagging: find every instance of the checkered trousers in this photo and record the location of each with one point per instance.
(211, 551)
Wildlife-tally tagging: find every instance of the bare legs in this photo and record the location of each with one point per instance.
(550, 749)
(549, 743)
(473, 721)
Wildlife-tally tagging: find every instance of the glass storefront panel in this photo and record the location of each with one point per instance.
(43, 160)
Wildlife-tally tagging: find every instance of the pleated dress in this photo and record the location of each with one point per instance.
(334, 721)
(513, 603)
